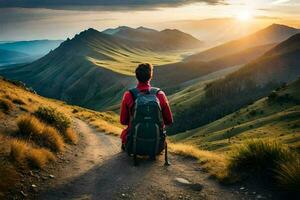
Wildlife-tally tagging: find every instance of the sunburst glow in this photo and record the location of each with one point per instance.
(244, 15)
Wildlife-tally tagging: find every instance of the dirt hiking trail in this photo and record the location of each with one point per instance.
(101, 171)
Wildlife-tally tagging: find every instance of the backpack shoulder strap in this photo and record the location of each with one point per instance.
(134, 93)
(154, 90)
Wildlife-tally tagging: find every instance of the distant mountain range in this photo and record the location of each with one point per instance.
(33, 47)
(94, 68)
(25, 51)
(166, 39)
(216, 31)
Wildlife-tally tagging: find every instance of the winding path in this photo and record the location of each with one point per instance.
(102, 171)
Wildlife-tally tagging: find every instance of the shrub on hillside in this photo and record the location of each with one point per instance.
(41, 134)
(53, 117)
(23, 153)
(288, 175)
(274, 97)
(253, 112)
(75, 111)
(272, 160)
(6, 105)
(259, 156)
(29, 126)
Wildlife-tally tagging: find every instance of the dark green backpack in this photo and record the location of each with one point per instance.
(146, 135)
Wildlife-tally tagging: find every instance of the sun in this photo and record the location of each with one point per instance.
(244, 15)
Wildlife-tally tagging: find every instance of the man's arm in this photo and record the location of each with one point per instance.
(166, 110)
(125, 114)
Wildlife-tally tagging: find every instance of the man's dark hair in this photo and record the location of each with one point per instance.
(144, 72)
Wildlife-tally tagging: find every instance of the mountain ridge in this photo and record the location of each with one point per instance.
(272, 34)
(178, 38)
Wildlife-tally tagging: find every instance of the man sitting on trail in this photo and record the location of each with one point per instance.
(144, 74)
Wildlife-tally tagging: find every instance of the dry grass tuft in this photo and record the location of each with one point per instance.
(8, 97)
(213, 163)
(288, 175)
(75, 111)
(29, 125)
(54, 118)
(50, 138)
(6, 105)
(38, 158)
(24, 154)
(23, 108)
(41, 134)
(71, 136)
(18, 150)
(261, 156)
(18, 101)
(270, 160)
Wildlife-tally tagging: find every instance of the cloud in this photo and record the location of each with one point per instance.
(280, 1)
(100, 4)
(267, 17)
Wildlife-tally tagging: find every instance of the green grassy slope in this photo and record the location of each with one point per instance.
(272, 34)
(243, 56)
(121, 55)
(274, 117)
(249, 83)
(192, 91)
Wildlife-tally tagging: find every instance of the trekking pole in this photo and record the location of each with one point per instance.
(166, 155)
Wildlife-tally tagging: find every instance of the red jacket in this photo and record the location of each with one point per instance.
(127, 105)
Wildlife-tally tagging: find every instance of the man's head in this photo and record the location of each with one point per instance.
(144, 72)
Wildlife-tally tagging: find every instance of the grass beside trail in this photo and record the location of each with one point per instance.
(211, 162)
(273, 163)
(107, 122)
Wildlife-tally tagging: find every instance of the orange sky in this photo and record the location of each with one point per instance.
(248, 15)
